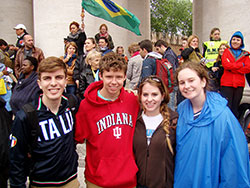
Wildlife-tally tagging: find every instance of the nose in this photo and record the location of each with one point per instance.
(113, 80)
(186, 85)
(53, 82)
(149, 98)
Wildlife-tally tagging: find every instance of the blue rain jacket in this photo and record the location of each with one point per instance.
(212, 150)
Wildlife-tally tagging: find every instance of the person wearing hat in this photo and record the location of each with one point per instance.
(20, 32)
(236, 64)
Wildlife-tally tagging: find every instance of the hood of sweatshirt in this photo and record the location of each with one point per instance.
(213, 107)
(238, 34)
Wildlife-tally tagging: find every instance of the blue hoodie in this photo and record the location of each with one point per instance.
(211, 150)
(237, 52)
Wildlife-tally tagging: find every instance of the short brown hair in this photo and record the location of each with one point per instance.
(134, 47)
(103, 25)
(74, 23)
(112, 61)
(51, 64)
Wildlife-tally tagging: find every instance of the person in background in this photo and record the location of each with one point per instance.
(184, 44)
(26, 88)
(154, 138)
(120, 51)
(103, 32)
(8, 77)
(5, 125)
(149, 59)
(211, 148)
(106, 120)
(4, 55)
(69, 59)
(167, 53)
(217, 69)
(77, 35)
(91, 73)
(27, 50)
(20, 32)
(236, 64)
(103, 45)
(80, 64)
(192, 53)
(134, 66)
(210, 48)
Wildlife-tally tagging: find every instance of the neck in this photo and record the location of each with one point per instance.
(27, 75)
(53, 105)
(108, 96)
(198, 103)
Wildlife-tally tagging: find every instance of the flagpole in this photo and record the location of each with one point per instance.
(82, 18)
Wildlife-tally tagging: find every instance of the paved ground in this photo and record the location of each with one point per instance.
(81, 150)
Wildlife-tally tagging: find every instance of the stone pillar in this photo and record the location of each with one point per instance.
(229, 16)
(12, 13)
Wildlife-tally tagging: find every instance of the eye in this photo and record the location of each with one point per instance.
(47, 78)
(155, 94)
(60, 77)
(145, 94)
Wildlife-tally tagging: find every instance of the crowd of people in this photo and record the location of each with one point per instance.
(139, 131)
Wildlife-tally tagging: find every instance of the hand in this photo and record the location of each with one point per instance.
(214, 69)
(5, 72)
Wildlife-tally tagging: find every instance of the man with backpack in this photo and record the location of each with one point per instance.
(149, 59)
(42, 143)
(167, 53)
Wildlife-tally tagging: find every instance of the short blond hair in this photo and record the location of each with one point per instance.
(92, 55)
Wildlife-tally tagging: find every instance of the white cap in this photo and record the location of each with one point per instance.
(20, 26)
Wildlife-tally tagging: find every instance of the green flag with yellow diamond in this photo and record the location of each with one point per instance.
(114, 13)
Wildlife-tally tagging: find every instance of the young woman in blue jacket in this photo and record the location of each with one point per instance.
(211, 148)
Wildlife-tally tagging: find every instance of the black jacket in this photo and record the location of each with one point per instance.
(5, 123)
(54, 157)
(155, 161)
(86, 78)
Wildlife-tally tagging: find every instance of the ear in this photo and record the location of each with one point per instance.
(100, 75)
(203, 83)
(39, 83)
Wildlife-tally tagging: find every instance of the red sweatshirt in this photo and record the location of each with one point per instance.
(108, 127)
(234, 69)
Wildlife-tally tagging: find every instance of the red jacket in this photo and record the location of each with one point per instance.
(234, 69)
(108, 127)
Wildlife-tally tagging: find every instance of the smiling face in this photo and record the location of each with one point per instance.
(52, 85)
(222, 49)
(236, 42)
(112, 83)
(191, 85)
(151, 99)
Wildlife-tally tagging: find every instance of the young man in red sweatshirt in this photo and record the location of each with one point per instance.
(106, 119)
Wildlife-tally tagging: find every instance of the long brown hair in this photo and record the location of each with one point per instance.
(219, 56)
(157, 82)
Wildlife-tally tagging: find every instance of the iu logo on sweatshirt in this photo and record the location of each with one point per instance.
(117, 132)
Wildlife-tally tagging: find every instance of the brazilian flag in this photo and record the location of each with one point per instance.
(112, 12)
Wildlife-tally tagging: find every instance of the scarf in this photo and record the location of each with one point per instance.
(74, 36)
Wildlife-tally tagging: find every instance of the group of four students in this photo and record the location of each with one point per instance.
(131, 141)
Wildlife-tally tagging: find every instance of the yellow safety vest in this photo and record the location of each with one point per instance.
(211, 52)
